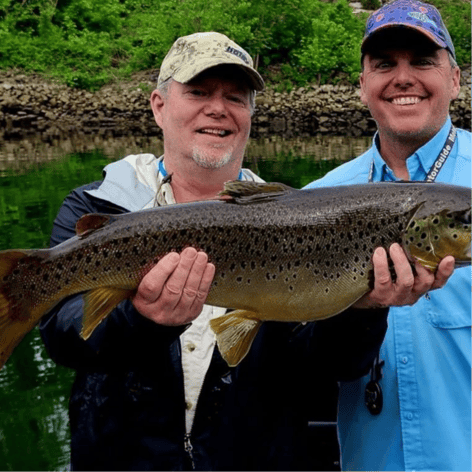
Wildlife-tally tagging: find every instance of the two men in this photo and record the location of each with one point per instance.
(152, 393)
(409, 78)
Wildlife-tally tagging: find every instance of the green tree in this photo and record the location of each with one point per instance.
(333, 45)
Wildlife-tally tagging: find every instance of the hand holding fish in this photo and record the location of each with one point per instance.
(408, 288)
(174, 291)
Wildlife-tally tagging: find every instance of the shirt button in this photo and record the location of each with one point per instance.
(409, 416)
(188, 405)
(191, 347)
(405, 360)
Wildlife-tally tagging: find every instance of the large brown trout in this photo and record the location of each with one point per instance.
(280, 254)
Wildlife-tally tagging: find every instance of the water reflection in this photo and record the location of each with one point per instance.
(27, 153)
(35, 176)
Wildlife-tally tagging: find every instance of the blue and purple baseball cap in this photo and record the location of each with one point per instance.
(412, 14)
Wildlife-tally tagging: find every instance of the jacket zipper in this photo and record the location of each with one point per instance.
(189, 450)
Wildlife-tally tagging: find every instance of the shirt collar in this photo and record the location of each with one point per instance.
(418, 163)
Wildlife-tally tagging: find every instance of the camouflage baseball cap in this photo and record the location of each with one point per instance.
(191, 55)
(412, 14)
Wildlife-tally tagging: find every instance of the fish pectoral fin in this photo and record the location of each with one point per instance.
(244, 192)
(98, 304)
(90, 222)
(235, 333)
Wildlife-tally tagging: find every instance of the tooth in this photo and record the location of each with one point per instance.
(406, 100)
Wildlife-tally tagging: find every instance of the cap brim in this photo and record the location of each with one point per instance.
(419, 29)
(186, 75)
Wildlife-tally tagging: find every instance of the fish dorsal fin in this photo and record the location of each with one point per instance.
(91, 222)
(249, 192)
(98, 304)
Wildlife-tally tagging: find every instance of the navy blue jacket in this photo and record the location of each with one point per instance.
(127, 407)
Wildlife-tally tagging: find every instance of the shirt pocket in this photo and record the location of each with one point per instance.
(449, 307)
(454, 317)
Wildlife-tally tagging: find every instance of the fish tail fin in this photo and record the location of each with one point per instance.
(15, 323)
(235, 333)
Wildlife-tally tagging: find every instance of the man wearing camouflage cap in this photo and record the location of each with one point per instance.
(151, 394)
(413, 411)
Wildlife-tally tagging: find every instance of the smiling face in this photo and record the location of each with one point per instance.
(207, 120)
(408, 83)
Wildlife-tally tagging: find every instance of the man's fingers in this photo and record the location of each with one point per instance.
(150, 288)
(194, 278)
(205, 284)
(405, 277)
(444, 271)
(176, 282)
(174, 291)
(381, 271)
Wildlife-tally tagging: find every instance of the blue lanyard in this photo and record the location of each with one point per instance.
(438, 163)
(163, 172)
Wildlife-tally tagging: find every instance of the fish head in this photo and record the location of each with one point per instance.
(432, 237)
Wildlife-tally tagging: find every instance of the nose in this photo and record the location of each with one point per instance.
(404, 75)
(216, 105)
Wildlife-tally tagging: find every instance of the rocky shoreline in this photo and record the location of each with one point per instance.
(31, 105)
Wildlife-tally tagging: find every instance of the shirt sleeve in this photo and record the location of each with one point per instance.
(123, 338)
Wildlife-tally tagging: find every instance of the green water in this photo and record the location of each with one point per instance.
(34, 392)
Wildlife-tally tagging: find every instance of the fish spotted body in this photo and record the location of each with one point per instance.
(280, 254)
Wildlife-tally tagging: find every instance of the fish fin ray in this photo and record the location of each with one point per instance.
(14, 325)
(12, 329)
(235, 333)
(90, 222)
(10, 336)
(98, 304)
(244, 192)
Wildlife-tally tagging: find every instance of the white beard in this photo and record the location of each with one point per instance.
(209, 161)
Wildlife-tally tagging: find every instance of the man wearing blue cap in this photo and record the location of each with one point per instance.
(413, 411)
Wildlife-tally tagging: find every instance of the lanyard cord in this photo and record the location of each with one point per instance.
(438, 163)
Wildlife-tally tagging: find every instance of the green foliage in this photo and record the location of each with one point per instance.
(86, 43)
(371, 4)
(334, 43)
(457, 17)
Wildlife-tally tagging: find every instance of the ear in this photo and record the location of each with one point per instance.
(157, 106)
(456, 83)
(363, 94)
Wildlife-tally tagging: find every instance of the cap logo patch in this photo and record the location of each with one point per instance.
(422, 17)
(237, 53)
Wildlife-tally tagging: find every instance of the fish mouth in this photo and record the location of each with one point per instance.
(221, 132)
(405, 100)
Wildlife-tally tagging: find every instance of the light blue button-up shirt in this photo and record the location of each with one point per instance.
(425, 423)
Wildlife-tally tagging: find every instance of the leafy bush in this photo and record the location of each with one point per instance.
(334, 43)
(87, 43)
